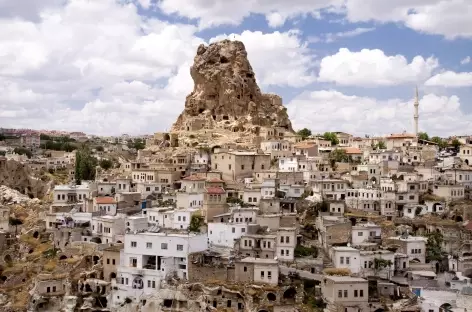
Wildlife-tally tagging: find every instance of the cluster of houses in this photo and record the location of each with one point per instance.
(357, 225)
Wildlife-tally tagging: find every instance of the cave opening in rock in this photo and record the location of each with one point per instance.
(271, 297)
(224, 59)
(167, 303)
(201, 110)
(36, 234)
(63, 257)
(225, 117)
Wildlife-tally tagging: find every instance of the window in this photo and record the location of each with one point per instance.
(242, 167)
(282, 252)
(180, 247)
(340, 293)
(262, 274)
(153, 284)
(53, 288)
(347, 260)
(148, 245)
(355, 292)
(360, 233)
(269, 274)
(233, 230)
(287, 239)
(341, 260)
(361, 293)
(108, 261)
(179, 218)
(163, 245)
(281, 239)
(113, 261)
(134, 244)
(245, 269)
(345, 294)
(149, 284)
(287, 252)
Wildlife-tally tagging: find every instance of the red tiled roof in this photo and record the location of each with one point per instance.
(194, 178)
(105, 200)
(215, 190)
(352, 150)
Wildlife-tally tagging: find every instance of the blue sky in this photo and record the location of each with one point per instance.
(122, 66)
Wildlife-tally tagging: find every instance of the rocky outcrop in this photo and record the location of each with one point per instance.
(18, 176)
(226, 94)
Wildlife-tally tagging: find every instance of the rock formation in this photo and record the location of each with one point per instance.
(18, 176)
(226, 95)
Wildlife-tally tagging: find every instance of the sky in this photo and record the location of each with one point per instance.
(109, 67)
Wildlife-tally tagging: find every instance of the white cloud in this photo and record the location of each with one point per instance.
(373, 67)
(331, 37)
(450, 79)
(211, 13)
(100, 67)
(278, 58)
(95, 66)
(330, 110)
(450, 19)
(466, 60)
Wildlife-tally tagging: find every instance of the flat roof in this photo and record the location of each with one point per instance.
(344, 248)
(259, 260)
(345, 279)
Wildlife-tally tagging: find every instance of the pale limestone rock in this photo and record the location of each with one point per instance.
(226, 94)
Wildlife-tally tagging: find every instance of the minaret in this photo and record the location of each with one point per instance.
(416, 116)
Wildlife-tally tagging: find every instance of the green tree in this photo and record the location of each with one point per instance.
(106, 164)
(304, 133)
(381, 145)
(339, 155)
(85, 165)
(45, 137)
(331, 136)
(456, 144)
(423, 136)
(138, 144)
(99, 148)
(23, 151)
(440, 142)
(381, 264)
(15, 222)
(434, 246)
(196, 221)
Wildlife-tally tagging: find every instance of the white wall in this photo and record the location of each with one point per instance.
(222, 234)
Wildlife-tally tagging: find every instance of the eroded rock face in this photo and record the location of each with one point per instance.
(18, 176)
(226, 93)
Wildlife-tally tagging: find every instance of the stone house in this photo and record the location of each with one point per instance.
(331, 189)
(111, 260)
(465, 153)
(333, 230)
(412, 246)
(257, 270)
(350, 293)
(214, 202)
(345, 139)
(235, 165)
(449, 192)
(50, 285)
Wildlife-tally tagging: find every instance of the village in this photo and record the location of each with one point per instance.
(234, 210)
